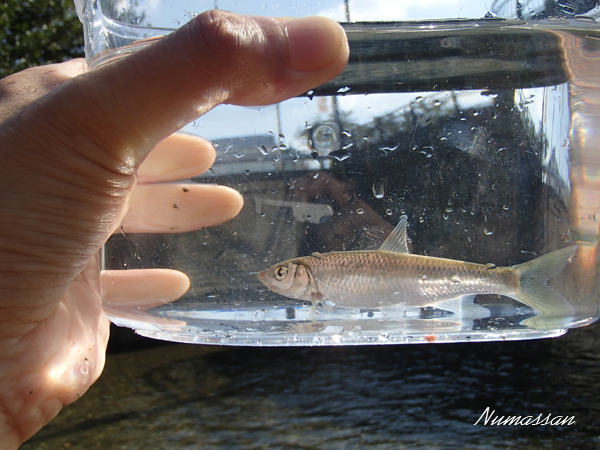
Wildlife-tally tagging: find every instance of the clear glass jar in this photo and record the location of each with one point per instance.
(476, 124)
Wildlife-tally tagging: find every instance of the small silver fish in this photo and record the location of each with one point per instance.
(391, 276)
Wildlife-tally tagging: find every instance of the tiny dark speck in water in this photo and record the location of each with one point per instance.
(185, 189)
(175, 206)
(290, 313)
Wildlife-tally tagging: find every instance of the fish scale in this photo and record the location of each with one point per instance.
(381, 278)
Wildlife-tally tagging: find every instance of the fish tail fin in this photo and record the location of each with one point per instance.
(551, 306)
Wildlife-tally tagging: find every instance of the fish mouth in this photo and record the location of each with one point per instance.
(262, 275)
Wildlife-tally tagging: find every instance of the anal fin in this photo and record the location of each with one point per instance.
(464, 307)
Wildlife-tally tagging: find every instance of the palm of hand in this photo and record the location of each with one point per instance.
(55, 361)
(52, 353)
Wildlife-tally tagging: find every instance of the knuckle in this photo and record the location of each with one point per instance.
(235, 42)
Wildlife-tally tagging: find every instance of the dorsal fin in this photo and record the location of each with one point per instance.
(396, 241)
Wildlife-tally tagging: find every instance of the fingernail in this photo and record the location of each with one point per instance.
(315, 42)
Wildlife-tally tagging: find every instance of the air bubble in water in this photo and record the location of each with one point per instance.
(384, 337)
(261, 314)
(328, 303)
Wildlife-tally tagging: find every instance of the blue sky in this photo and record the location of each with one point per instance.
(176, 12)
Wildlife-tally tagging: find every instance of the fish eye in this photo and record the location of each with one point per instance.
(281, 273)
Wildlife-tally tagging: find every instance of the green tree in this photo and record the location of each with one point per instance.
(36, 32)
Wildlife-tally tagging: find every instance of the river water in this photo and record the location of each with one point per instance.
(390, 397)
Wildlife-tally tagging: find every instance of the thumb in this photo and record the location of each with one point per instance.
(219, 57)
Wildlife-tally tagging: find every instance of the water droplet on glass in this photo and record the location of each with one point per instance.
(340, 156)
(263, 150)
(449, 210)
(488, 232)
(347, 133)
(419, 99)
(437, 103)
(505, 208)
(343, 90)
(247, 172)
(489, 94)
(388, 149)
(421, 219)
(310, 94)
(239, 155)
(360, 211)
(315, 155)
(276, 157)
(445, 216)
(423, 277)
(378, 191)
(455, 279)
(389, 212)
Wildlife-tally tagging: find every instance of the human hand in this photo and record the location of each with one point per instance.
(71, 144)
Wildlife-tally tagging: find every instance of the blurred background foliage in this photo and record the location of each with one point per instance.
(36, 32)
